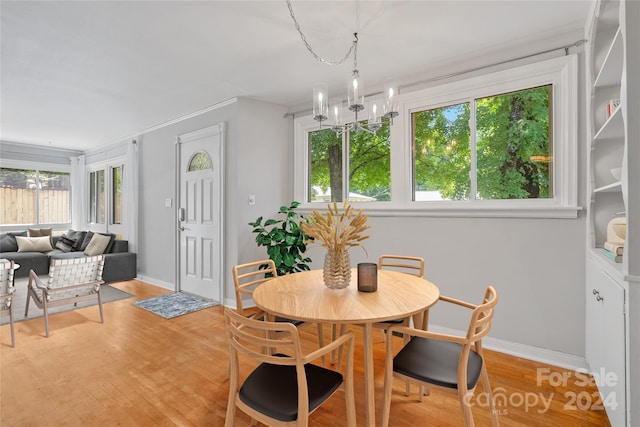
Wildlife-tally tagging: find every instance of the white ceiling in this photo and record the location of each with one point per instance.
(82, 74)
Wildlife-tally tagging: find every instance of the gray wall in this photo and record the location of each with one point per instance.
(157, 175)
(255, 153)
(536, 265)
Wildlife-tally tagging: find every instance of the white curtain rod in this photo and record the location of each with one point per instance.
(460, 73)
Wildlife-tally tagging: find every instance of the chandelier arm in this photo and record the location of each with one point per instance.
(352, 49)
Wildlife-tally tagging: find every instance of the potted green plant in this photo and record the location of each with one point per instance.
(284, 239)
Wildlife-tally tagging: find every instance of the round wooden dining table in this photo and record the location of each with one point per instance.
(303, 296)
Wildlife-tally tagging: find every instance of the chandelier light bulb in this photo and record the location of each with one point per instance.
(375, 120)
(335, 108)
(320, 106)
(356, 92)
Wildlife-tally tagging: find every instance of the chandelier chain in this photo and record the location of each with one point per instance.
(353, 49)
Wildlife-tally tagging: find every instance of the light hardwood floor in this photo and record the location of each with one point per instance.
(138, 369)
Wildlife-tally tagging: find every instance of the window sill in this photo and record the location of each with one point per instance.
(438, 209)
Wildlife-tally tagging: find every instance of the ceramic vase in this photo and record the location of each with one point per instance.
(337, 269)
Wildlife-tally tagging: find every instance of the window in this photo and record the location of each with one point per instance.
(511, 141)
(441, 155)
(116, 194)
(368, 166)
(200, 162)
(96, 197)
(105, 195)
(32, 196)
(497, 145)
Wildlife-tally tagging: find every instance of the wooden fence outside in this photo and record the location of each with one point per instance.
(19, 206)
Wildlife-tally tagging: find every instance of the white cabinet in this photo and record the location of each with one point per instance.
(612, 329)
(606, 339)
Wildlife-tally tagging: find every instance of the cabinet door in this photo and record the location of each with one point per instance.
(612, 377)
(593, 317)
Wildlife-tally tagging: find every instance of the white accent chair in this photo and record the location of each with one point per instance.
(69, 281)
(7, 289)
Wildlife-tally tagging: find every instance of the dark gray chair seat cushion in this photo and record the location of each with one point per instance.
(273, 389)
(436, 362)
(294, 322)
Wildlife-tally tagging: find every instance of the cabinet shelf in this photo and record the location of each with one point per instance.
(610, 188)
(612, 128)
(614, 268)
(611, 71)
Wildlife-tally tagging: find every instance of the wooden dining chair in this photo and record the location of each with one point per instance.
(286, 386)
(246, 277)
(400, 263)
(403, 264)
(448, 362)
(7, 289)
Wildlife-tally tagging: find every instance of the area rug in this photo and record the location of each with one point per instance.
(174, 305)
(19, 301)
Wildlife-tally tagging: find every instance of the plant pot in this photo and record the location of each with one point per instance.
(337, 269)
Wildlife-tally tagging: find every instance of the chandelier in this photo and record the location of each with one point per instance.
(380, 110)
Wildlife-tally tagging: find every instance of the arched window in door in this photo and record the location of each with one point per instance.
(200, 162)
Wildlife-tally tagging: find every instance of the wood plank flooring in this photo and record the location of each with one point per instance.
(138, 369)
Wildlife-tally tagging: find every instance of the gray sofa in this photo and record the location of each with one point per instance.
(119, 264)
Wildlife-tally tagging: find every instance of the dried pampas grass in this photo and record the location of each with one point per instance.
(337, 231)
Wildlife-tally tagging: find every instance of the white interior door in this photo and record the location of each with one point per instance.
(200, 212)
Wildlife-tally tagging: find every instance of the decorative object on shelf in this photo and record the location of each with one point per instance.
(616, 233)
(613, 257)
(612, 106)
(614, 248)
(367, 277)
(337, 232)
(380, 111)
(617, 230)
(285, 241)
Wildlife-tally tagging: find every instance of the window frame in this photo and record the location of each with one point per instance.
(560, 72)
(93, 197)
(112, 168)
(45, 167)
(107, 168)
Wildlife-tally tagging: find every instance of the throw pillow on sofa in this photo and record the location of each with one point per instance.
(78, 237)
(97, 245)
(65, 244)
(8, 241)
(34, 244)
(89, 236)
(39, 232)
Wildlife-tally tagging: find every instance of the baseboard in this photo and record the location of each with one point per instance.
(231, 303)
(538, 354)
(157, 282)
